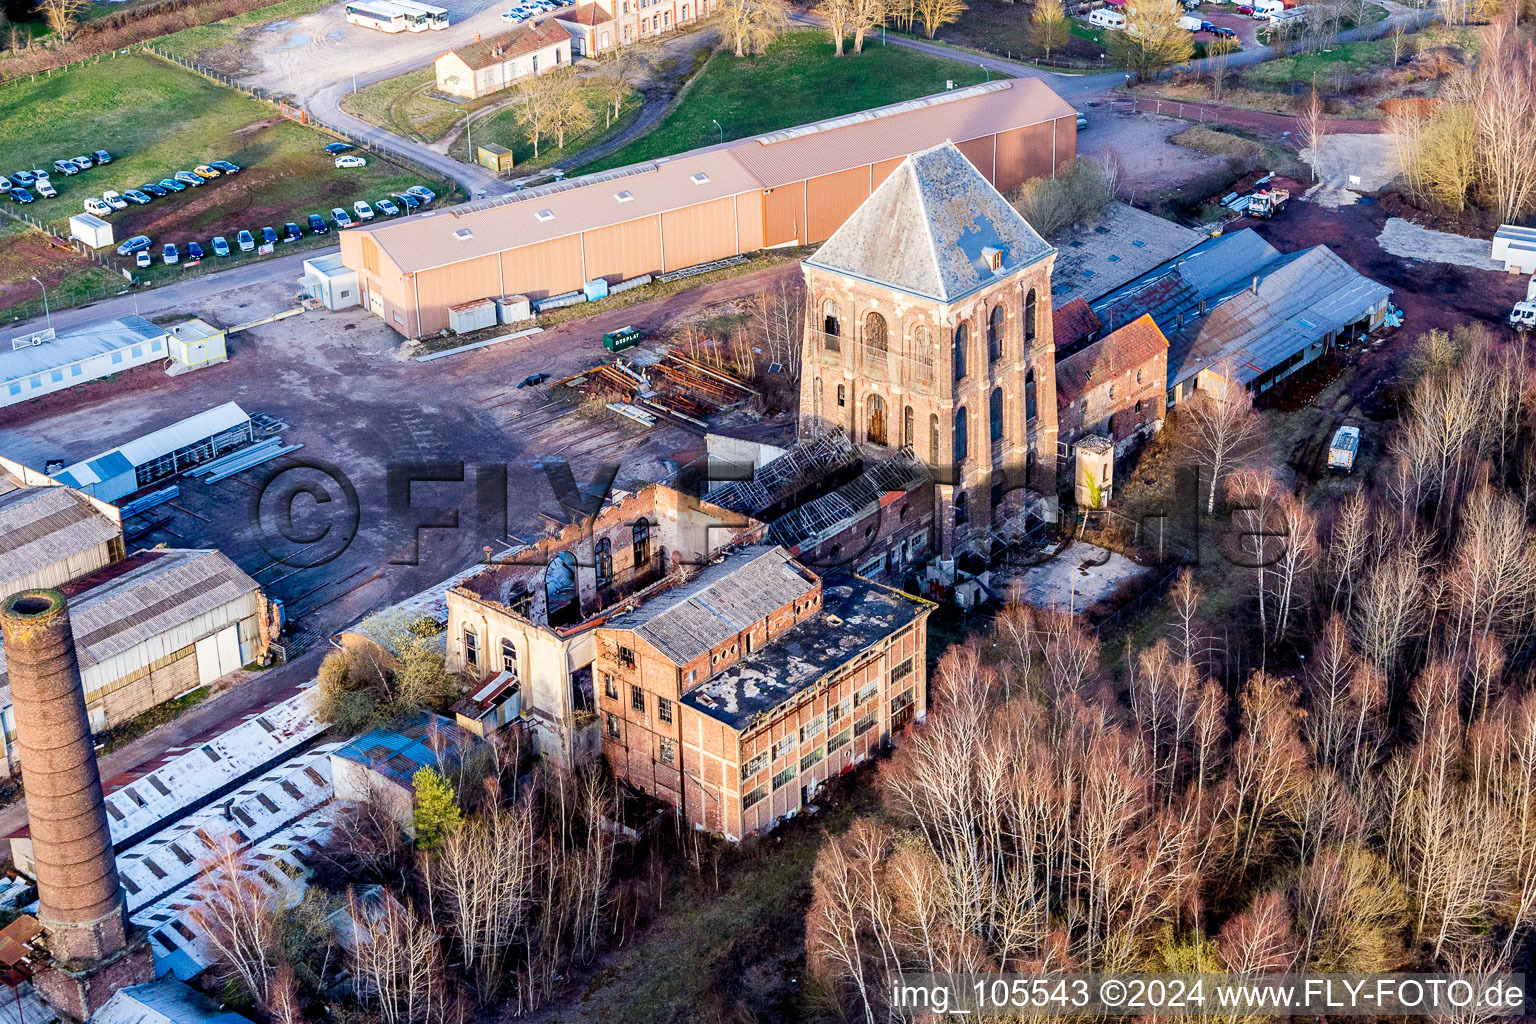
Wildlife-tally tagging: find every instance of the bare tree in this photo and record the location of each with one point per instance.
(839, 15)
(750, 25)
(1217, 433)
(1049, 26)
(621, 69)
(866, 15)
(935, 14)
(1312, 130)
(63, 15)
(1506, 131)
(779, 316)
(571, 113)
(1219, 63)
(398, 961)
(1153, 38)
(237, 914)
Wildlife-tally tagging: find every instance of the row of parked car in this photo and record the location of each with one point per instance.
(19, 186)
(533, 8)
(416, 196)
(112, 200)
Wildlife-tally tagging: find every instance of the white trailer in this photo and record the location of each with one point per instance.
(1189, 23)
(91, 230)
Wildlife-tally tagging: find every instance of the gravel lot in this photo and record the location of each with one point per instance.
(1405, 238)
(1140, 142)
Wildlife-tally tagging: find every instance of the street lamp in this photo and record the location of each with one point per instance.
(986, 69)
(46, 313)
(722, 130)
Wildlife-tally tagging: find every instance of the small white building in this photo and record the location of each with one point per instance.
(328, 281)
(1515, 247)
(489, 65)
(196, 343)
(39, 364)
(171, 450)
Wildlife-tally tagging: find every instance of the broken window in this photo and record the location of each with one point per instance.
(642, 542)
(604, 561)
(1029, 317)
(995, 334)
(831, 326)
(508, 656)
(471, 648)
(668, 752)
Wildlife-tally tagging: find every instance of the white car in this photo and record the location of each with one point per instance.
(112, 199)
(99, 208)
(143, 259)
(45, 189)
(351, 160)
(363, 210)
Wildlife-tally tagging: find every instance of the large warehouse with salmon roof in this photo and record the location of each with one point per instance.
(793, 187)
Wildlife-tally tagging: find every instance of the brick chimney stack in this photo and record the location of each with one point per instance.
(80, 901)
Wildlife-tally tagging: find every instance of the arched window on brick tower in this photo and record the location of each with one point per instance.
(995, 334)
(831, 326)
(908, 424)
(922, 357)
(876, 342)
(962, 436)
(997, 414)
(1029, 317)
(962, 340)
(876, 408)
(1029, 396)
(933, 441)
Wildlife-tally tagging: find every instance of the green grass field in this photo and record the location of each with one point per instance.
(402, 106)
(805, 83)
(156, 118)
(503, 129)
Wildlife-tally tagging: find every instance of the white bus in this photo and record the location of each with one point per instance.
(379, 14)
(425, 15)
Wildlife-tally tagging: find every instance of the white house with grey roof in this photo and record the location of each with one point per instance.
(90, 353)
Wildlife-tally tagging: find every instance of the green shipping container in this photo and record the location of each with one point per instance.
(618, 341)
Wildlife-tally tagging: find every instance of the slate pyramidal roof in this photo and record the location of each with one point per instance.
(929, 230)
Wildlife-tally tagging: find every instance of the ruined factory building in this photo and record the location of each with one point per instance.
(167, 1001)
(793, 187)
(1236, 310)
(382, 764)
(735, 696)
(157, 624)
(528, 621)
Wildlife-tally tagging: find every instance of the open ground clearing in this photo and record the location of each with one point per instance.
(504, 129)
(805, 83)
(156, 118)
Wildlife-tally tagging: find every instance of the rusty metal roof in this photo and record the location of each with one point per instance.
(42, 526)
(1136, 344)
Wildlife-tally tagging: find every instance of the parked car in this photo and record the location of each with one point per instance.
(1221, 31)
(407, 200)
(5, 185)
(114, 200)
(138, 243)
(341, 218)
(268, 236)
(1082, 121)
(205, 172)
(351, 160)
(21, 195)
(172, 184)
(24, 178)
(423, 193)
(194, 252)
(39, 174)
(65, 167)
(45, 189)
(245, 241)
(225, 166)
(513, 16)
(96, 206)
(338, 148)
(1244, 9)
(169, 255)
(387, 208)
(85, 163)
(102, 156)
(363, 210)
(317, 224)
(293, 232)
(188, 178)
(220, 246)
(143, 259)
(154, 190)
(1207, 26)
(133, 195)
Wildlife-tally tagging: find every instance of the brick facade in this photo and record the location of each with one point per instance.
(1115, 387)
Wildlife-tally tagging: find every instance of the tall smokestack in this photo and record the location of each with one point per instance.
(80, 901)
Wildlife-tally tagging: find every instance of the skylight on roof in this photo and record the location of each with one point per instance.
(463, 234)
(545, 215)
(624, 197)
(700, 179)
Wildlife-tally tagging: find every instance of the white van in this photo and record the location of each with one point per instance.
(1106, 17)
(1190, 23)
(1265, 8)
(1289, 15)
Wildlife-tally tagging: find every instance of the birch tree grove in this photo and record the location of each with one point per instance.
(1366, 801)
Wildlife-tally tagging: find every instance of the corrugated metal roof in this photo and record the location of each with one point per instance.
(151, 446)
(722, 601)
(428, 741)
(72, 347)
(127, 603)
(167, 1001)
(42, 526)
(928, 229)
(746, 165)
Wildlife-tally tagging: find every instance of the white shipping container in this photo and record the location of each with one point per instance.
(91, 230)
(472, 316)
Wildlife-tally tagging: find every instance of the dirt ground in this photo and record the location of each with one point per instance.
(1139, 141)
(341, 384)
(25, 254)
